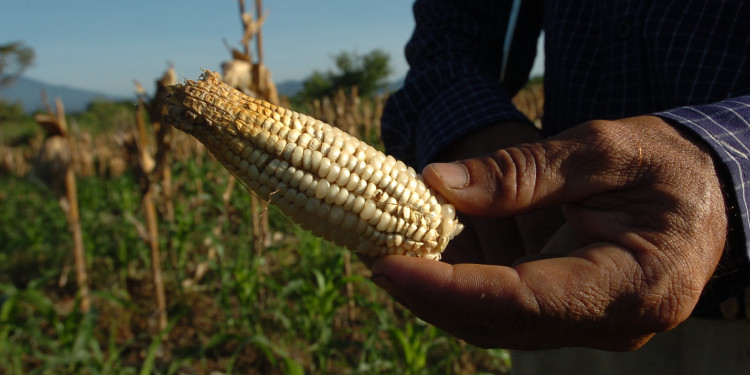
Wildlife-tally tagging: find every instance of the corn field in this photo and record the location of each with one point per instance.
(290, 307)
(132, 251)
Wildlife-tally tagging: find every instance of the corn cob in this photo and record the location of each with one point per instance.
(325, 180)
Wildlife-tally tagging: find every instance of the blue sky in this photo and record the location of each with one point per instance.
(105, 45)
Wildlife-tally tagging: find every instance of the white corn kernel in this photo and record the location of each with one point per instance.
(327, 181)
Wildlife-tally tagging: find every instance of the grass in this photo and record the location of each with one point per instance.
(231, 309)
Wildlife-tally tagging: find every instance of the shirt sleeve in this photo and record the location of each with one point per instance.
(453, 86)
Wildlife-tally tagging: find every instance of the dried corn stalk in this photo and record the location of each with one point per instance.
(54, 168)
(327, 181)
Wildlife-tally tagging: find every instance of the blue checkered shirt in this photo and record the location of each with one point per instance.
(687, 61)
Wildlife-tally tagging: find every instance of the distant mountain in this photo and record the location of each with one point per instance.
(291, 88)
(29, 93)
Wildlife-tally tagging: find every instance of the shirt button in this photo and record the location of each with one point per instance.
(623, 29)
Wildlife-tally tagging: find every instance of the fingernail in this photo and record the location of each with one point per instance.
(453, 175)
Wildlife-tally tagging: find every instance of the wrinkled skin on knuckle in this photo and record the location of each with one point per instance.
(516, 172)
(613, 155)
(511, 171)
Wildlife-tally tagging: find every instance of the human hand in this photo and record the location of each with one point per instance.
(645, 228)
(498, 240)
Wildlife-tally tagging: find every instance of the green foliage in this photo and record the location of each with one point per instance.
(15, 57)
(284, 310)
(367, 72)
(30, 327)
(536, 80)
(11, 112)
(30, 251)
(104, 115)
(16, 127)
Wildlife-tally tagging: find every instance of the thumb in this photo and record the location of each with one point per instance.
(517, 179)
